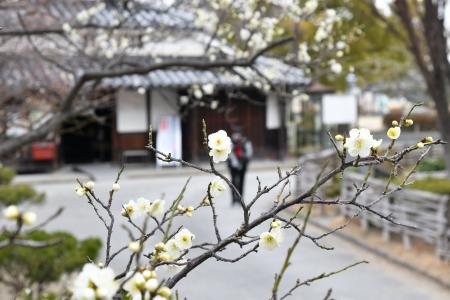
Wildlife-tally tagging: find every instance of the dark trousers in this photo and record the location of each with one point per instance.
(237, 179)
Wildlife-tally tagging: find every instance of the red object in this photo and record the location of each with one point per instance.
(43, 151)
(238, 150)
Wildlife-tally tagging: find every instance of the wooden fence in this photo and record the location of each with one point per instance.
(425, 215)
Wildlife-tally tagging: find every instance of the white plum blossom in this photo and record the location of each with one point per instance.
(135, 286)
(360, 142)
(29, 218)
(94, 283)
(220, 146)
(336, 67)
(303, 55)
(172, 249)
(130, 209)
(310, 6)
(278, 233)
(115, 187)
(208, 88)
(142, 205)
(134, 246)
(156, 208)
(11, 212)
(218, 186)
(268, 241)
(183, 239)
(244, 34)
(89, 185)
(394, 132)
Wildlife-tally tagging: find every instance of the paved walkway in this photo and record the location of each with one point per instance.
(252, 277)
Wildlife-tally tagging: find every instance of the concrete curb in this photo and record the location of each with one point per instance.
(83, 174)
(382, 254)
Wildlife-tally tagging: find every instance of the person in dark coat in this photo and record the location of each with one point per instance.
(238, 161)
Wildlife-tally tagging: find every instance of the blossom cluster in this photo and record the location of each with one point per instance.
(361, 142)
(13, 213)
(143, 207)
(96, 282)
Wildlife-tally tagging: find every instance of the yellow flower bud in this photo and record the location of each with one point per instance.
(275, 224)
(409, 122)
(115, 187)
(394, 123)
(429, 139)
(134, 246)
(89, 185)
(163, 257)
(420, 145)
(206, 202)
(161, 247)
(164, 292)
(339, 138)
(147, 274)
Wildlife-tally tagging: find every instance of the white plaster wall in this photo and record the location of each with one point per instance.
(131, 109)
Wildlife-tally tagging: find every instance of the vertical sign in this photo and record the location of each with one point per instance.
(168, 139)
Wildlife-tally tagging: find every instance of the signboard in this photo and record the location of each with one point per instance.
(339, 109)
(168, 139)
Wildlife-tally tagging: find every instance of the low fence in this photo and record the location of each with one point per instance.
(311, 164)
(425, 215)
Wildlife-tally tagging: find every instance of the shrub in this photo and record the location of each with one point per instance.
(431, 164)
(432, 184)
(18, 193)
(6, 175)
(44, 265)
(333, 189)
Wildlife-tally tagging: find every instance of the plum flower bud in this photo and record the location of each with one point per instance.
(339, 138)
(115, 187)
(420, 145)
(147, 274)
(11, 212)
(161, 247)
(29, 218)
(429, 139)
(409, 122)
(101, 265)
(206, 202)
(394, 123)
(394, 132)
(89, 185)
(275, 224)
(163, 257)
(189, 211)
(134, 246)
(164, 292)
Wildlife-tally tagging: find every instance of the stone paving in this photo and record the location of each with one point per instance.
(251, 278)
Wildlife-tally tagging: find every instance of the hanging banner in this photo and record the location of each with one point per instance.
(168, 139)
